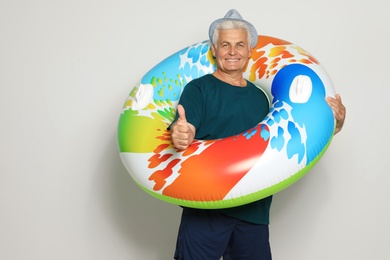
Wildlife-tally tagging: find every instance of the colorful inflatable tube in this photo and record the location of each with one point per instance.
(239, 169)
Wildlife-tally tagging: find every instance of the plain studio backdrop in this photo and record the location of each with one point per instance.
(66, 68)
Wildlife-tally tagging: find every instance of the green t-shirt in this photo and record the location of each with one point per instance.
(217, 110)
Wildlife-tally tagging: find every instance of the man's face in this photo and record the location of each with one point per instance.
(232, 50)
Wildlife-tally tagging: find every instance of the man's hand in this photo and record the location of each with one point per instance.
(339, 111)
(182, 132)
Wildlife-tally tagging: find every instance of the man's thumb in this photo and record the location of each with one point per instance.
(182, 114)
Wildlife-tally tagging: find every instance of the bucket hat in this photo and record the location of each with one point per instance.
(233, 14)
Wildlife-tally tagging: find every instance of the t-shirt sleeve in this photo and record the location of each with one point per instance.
(192, 101)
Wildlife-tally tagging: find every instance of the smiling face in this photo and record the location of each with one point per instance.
(232, 51)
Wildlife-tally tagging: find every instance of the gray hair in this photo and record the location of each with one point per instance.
(231, 25)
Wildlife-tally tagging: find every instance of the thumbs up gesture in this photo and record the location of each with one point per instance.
(182, 132)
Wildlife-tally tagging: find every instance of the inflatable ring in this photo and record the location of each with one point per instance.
(239, 169)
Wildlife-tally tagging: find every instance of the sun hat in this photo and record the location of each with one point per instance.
(232, 14)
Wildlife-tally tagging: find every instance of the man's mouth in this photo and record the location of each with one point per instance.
(232, 60)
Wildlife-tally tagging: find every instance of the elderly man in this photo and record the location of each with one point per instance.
(205, 111)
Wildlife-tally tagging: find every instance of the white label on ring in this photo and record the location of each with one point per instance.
(300, 89)
(143, 96)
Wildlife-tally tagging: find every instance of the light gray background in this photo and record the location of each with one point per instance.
(66, 67)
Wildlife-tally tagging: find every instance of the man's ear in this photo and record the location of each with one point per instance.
(213, 50)
(250, 52)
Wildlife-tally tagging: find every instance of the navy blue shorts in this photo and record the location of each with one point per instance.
(209, 235)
